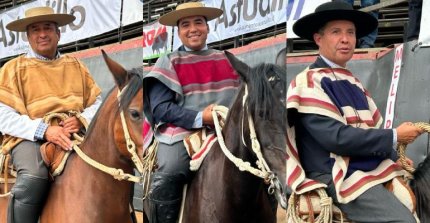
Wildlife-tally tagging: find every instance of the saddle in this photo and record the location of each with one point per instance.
(315, 206)
(198, 146)
(54, 157)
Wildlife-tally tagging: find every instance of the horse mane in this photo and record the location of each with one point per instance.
(134, 84)
(263, 99)
(420, 186)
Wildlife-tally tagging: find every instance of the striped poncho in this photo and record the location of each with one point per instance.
(36, 87)
(198, 78)
(314, 92)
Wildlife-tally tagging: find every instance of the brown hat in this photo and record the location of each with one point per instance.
(39, 14)
(189, 9)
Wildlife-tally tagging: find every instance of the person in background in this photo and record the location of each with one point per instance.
(367, 41)
(414, 12)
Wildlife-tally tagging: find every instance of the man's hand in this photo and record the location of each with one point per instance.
(408, 161)
(59, 136)
(207, 115)
(407, 133)
(72, 125)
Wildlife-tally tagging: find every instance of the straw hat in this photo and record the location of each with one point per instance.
(189, 9)
(306, 26)
(39, 14)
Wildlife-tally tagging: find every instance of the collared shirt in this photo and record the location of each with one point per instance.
(15, 124)
(334, 65)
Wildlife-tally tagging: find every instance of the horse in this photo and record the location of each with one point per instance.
(83, 193)
(219, 191)
(420, 184)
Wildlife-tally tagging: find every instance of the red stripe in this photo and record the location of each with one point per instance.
(313, 102)
(293, 151)
(199, 154)
(293, 83)
(309, 75)
(307, 184)
(368, 179)
(201, 72)
(294, 175)
(338, 176)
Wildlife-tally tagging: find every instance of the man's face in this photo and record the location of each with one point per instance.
(193, 32)
(336, 41)
(43, 38)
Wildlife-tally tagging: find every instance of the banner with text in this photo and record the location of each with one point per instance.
(240, 17)
(424, 36)
(132, 11)
(92, 18)
(297, 9)
(391, 102)
(157, 40)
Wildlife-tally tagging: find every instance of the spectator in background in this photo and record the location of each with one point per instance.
(369, 40)
(414, 11)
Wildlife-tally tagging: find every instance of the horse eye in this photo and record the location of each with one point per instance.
(135, 115)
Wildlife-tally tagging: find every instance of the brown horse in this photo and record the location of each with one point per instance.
(85, 194)
(220, 192)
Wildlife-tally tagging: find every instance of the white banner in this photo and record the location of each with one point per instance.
(240, 17)
(132, 11)
(297, 9)
(92, 18)
(424, 36)
(391, 102)
(157, 40)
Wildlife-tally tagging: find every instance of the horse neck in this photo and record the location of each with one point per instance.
(234, 138)
(100, 142)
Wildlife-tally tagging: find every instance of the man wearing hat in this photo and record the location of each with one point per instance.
(335, 123)
(31, 86)
(180, 92)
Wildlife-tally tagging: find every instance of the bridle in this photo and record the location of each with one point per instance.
(117, 174)
(263, 170)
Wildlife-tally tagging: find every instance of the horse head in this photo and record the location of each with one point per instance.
(262, 98)
(128, 128)
(266, 103)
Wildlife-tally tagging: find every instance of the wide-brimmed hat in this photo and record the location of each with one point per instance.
(306, 26)
(39, 14)
(189, 9)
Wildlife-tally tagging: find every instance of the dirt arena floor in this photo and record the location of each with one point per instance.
(139, 217)
(281, 216)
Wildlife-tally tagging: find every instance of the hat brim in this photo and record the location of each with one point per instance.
(306, 26)
(20, 25)
(171, 18)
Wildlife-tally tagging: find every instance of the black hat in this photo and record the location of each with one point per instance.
(306, 26)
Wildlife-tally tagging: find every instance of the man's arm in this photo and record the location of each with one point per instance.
(346, 140)
(164, 108)
(90, 111)
(15, 124)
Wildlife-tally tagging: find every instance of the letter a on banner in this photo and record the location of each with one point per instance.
(391, 102)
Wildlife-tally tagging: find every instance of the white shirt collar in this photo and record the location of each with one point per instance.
(32, 54)
(188, 49)
(330, 63)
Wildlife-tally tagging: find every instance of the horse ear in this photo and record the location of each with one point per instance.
(281, 58)
(119, 73)
(241, 67)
